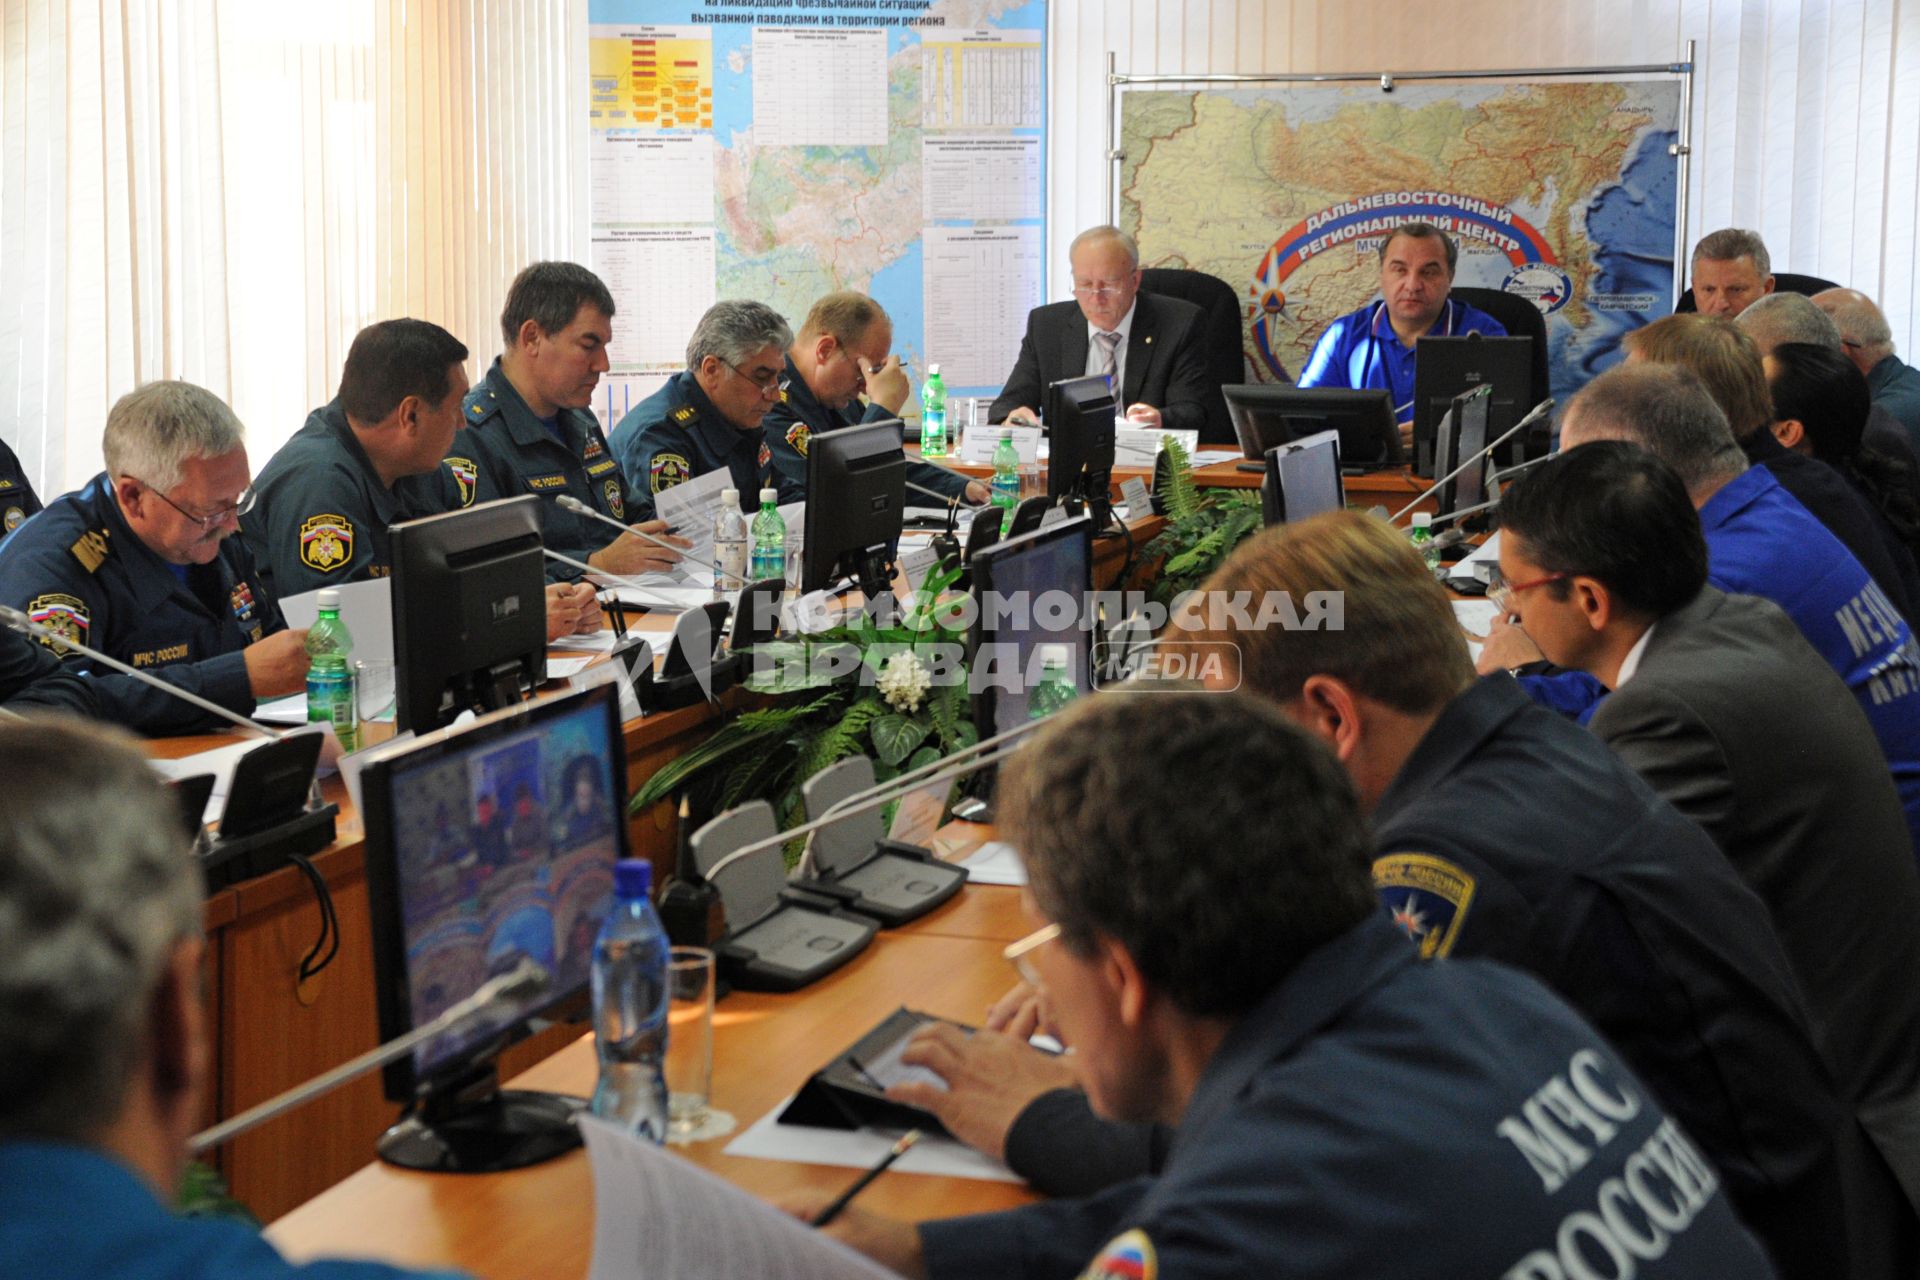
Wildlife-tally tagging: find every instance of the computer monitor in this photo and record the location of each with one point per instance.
(856, 500)
(487, 845)
(1463, 433)
(469, 611)
(1079, 416)
(1031, 590)
(1447, 366)
(1303, 479)
(1265, 416)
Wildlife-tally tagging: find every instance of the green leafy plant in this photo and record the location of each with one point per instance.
(1203, 527)
(855, 689)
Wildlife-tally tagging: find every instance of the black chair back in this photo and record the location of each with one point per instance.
(1521, 319)
(1783, 282)
(1224, 337)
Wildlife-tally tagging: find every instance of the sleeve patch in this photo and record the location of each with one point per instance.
(668, 470)
(465, 475)
(64, 615)
(616, 501)
(1128, 1256)
(326, 542)
(1427, 897)
(797, 436)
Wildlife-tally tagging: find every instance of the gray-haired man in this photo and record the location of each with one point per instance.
(708, 416)
(106, 1061)
(142, 563)
(1731, 271)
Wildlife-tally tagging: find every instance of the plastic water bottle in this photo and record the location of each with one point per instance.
(729, 544)
(1006, 476)
(330, 673)
(1421, 535)
(630, 1007)
(1056, 688)
(933, 415)
(769, 539)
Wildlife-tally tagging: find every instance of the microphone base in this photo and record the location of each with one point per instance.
(511, 1129)
(228, 862)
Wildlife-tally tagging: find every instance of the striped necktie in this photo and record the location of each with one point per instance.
(1109, 346)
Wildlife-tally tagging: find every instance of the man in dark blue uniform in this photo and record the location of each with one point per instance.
(841, 354)
(1218, 960)
(530, 428)
(708, 416)
(375, 456)
(142, 565)
(17, 498)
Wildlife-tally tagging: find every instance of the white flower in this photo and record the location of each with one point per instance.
(904, 682)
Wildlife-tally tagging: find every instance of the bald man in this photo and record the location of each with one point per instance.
(1867, 340)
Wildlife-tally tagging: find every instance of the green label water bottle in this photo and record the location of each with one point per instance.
(1056, 688)
(330, 673)
(1421, 535)
(1006, 475)
(769, 558)
(933, 415)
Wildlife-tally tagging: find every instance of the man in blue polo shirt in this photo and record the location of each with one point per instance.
(1374, 346)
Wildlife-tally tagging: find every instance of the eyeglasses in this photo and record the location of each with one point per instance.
(213, 520)
(771, 383)
(1502, 593)
(1017, 953)
(1105, 289)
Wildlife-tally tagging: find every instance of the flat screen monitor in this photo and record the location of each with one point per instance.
(469, 611)
(1463, 433)
(1079, 416)
(1303, 479)
(1447, 366)
(856, 503)
(1031, 590)
(1265, 416)
(487, 845)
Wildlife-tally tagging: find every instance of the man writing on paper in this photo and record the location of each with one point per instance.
(101, 1010)
(141, 564)
(1219, 960)
(377, 455)
(1375, 346)
(841, 353)
(1146, 345)
(708, 416)
(530, 428)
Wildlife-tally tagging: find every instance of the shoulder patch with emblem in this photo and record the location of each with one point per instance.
(668, 470)
(91, 550)
(466, 476)
(797, 436)
(1427, 897)
(64, 615)
(684, 414)
(616, 502)
(326, 542)
(1128, 1256)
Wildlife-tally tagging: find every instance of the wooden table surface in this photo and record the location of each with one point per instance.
(538, 1222)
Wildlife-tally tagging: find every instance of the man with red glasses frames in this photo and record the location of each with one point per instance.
(142, 563)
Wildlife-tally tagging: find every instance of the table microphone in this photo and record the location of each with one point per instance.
(1533, 415)
(579, 508)
(521, 983)
(619, 579)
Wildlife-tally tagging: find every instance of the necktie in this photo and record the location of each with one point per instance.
(1109, 345)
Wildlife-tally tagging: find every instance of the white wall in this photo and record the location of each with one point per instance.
(1806, 121)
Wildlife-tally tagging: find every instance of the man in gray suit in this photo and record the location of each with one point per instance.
(1726, 710)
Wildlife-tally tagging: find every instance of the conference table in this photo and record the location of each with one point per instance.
(538, 1222)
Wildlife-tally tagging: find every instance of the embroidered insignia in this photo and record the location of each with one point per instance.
(685, 413)
(326, 542)
(783, 395)
(593, 449)
(797, 436)
(766, 456)
(601, 467)
(668, 470)
(15, 517)
(6, 484)
(1128, 1256)
(91, 550)
(62, 614)
(467, 476)
(616, 504)
(554, 481)
(1426, 897)
(242, 601)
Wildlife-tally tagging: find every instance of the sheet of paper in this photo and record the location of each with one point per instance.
(986, 279)
(690, 509)
(673, 599)
(995, 863)
(657, 1215)
(980, 442)
(561, 668)
(673, 269)
(366, 608)
(1139, 446)
(601, 641)
(981, 177)
(1475, 617)
(974, 78)
(1207, 457)
(640, 176)
(768, 1139)
(292, 709)
(819, 88)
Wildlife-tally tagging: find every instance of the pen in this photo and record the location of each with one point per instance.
(845, 1198)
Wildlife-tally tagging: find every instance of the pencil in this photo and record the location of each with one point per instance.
(861, 1183)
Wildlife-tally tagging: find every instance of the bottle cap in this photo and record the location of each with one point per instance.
(933, 370)
(769, 495)
(1055, 655)
(730, 497)
(632, 878)
(326, 598)
(1422, 519)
